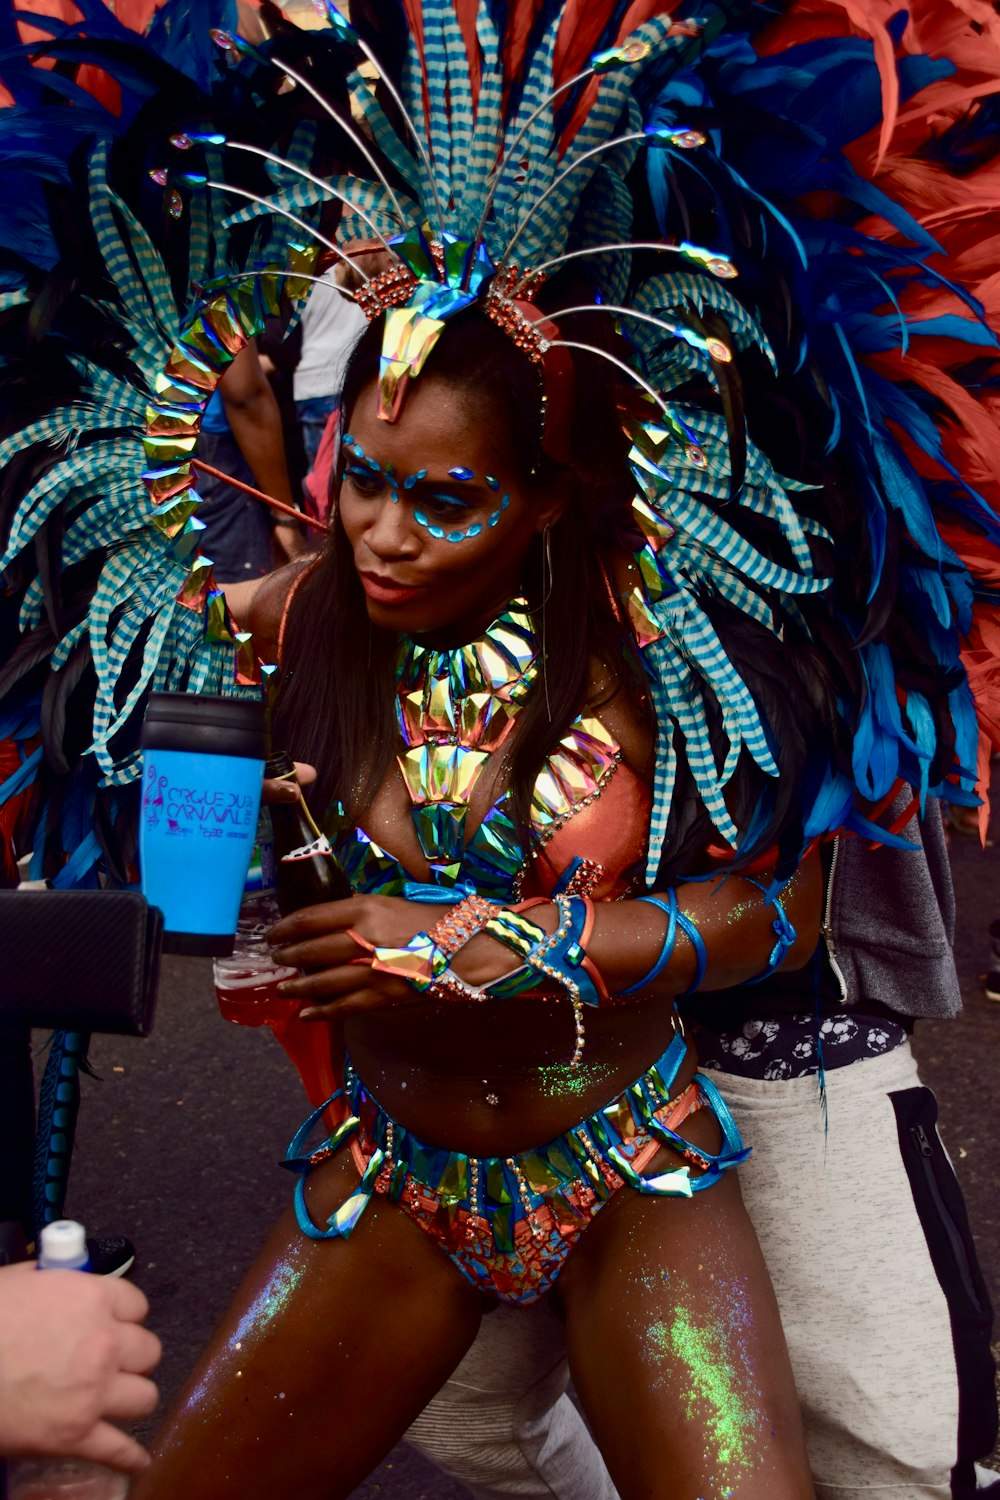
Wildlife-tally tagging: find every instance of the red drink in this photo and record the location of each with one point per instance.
(246, 984)
(248, 995)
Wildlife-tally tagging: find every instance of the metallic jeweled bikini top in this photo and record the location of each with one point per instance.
(455, 709)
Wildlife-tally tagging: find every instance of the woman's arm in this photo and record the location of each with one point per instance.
(731, 914)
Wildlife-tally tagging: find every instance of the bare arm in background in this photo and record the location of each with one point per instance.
(255, 419)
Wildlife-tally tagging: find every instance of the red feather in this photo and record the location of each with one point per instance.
(575, 59)
(521, 17)
(465, 12)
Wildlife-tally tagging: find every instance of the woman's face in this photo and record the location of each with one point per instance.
(434, 512)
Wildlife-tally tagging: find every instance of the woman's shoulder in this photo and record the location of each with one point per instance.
(261, 607)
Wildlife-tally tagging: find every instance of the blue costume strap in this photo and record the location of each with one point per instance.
(343, 1219)
(562, 955)
(676, 918)
(669, 940)
(439, 895)
(783, 930)
(694, 937)
(673, 1184)
(669, 1064)
(733, 1151)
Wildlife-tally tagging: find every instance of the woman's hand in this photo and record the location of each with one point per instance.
(282, 789)
(339, 980)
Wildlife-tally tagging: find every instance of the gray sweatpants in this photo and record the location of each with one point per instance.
(866, 1320)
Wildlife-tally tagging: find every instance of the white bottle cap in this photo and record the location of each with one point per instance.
(63, 1246)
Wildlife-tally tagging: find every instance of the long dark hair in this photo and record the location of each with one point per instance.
(336, 706)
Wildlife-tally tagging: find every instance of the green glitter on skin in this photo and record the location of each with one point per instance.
(558, 1079)
(711, 1383)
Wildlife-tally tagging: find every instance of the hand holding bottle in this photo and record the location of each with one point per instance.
(288, 789)
(74, 1360)
(297, 868)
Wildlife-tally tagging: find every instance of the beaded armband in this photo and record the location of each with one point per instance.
(563, 954)
(460, 925)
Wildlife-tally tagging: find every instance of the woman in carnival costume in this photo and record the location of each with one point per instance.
(584, 675)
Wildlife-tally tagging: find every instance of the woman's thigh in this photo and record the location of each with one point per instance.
(677, 1353)
(327, 1353)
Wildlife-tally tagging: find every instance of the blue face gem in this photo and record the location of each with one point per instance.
(494, 518)
(460, 472)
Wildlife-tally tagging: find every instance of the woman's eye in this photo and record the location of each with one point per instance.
(446, 505)
(363, 480)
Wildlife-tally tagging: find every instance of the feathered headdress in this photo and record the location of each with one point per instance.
(773, 213)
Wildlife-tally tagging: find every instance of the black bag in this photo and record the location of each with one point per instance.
(80, 960)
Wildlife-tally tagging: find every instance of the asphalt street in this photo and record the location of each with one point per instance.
(178, 1143)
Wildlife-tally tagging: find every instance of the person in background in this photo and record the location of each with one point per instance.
(811, 1064)
(241, 436)
(331, 324)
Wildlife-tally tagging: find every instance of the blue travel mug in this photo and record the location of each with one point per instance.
(202, 772)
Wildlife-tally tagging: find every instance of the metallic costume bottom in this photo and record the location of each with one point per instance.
(509, 1223)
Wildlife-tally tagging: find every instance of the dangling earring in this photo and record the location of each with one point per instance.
(547, 582)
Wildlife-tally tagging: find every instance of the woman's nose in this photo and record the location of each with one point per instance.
(392, 532)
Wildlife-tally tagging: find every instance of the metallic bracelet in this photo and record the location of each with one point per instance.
(563, 954)
(421, 962)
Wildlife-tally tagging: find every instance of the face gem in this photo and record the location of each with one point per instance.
(461, 473)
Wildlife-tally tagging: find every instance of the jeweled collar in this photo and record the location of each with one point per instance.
(443, 691)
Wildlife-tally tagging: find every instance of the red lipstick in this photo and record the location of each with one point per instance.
(387, 590)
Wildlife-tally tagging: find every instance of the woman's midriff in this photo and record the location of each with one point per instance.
(494, 1079)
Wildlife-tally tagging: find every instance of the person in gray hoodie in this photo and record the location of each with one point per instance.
(854, 1201)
